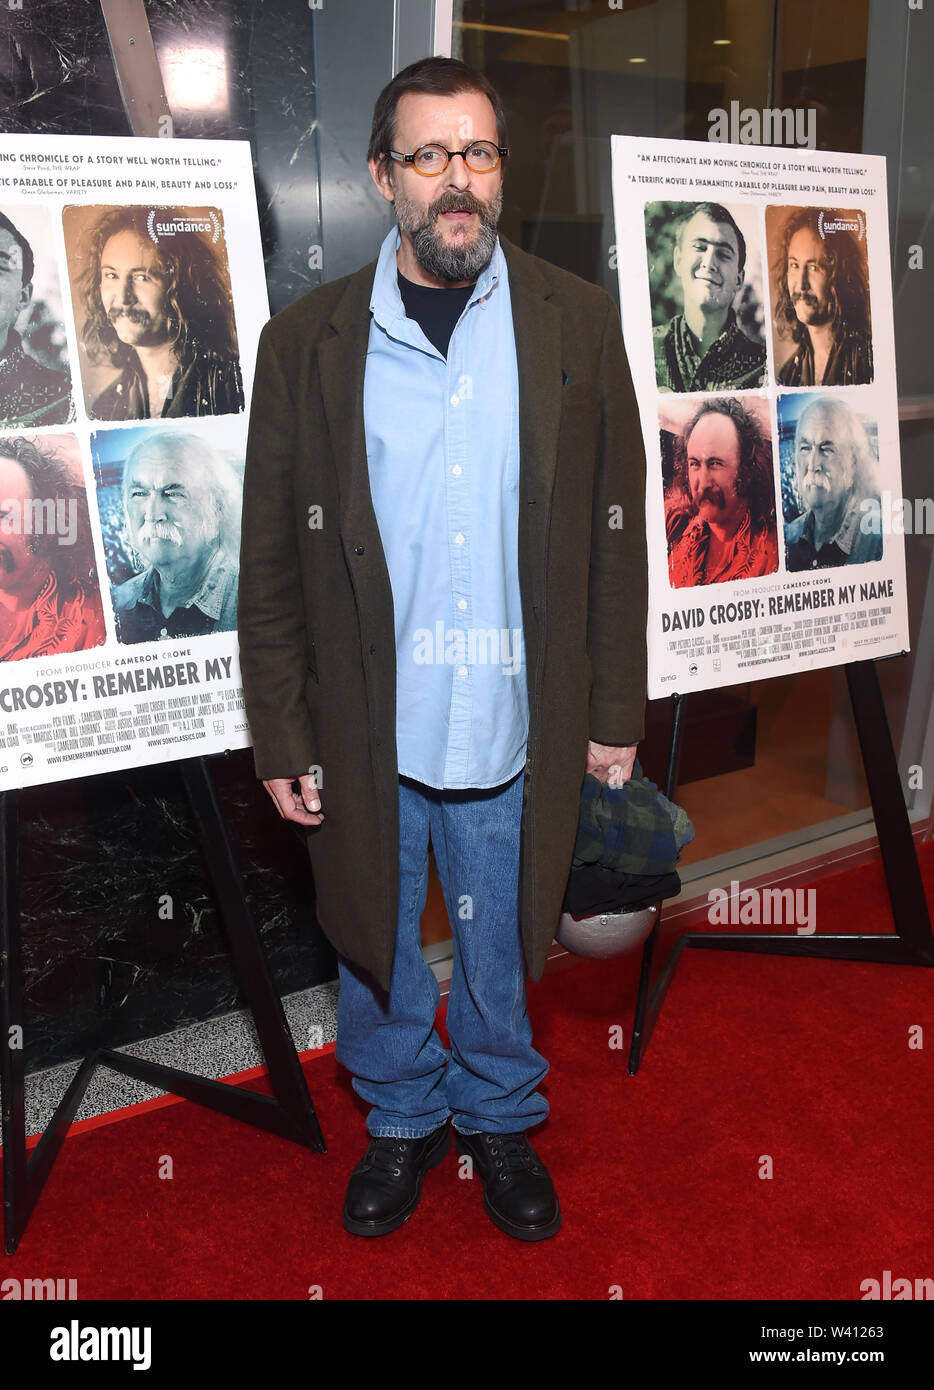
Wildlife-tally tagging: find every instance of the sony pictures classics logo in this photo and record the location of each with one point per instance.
(183, 224)
(841, 224)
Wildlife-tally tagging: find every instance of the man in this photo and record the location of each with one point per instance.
(439, 442)
(834, 472)
(182, 506)
(30, 394)
(704, 348)
(163, 314)
(720, 509)
(823, 302)
(49, 597)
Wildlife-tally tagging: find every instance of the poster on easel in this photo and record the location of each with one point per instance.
(756, 304)
(132, 296)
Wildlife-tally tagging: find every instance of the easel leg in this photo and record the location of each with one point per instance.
(912, 942)
(289, 1112)
(899, 857)
(640, 1035)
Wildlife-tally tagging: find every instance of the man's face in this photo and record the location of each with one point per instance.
(809, 277)
(824, 459)
(706, 260)
(166, 507)
(132, 290)
(14, 295)
(450, 217)
(17, 562)
(713, 451)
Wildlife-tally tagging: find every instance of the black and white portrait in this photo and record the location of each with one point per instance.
(705, 284)
(35, 383)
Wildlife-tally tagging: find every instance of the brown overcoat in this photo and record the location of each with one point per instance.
(315, 614)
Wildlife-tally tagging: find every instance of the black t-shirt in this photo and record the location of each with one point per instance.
(436, 311)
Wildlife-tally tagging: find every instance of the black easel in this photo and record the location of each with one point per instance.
(912, 942)
(289, 1112)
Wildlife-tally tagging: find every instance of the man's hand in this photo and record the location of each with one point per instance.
(290, 805)
(610, 763)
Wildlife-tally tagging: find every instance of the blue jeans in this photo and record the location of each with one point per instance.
(389, 1042)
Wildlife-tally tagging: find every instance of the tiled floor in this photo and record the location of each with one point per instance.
(220, 1047)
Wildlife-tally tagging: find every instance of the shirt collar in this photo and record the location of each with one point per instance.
(726, 331)
(386, 300)
(210, 595)
(845, 533)
(13, 352)
(741, 535)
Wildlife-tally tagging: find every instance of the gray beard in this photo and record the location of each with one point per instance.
(454, 263)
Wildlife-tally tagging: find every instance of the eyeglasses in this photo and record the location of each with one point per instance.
(482, 157)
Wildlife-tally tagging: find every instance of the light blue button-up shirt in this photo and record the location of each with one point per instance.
(442, 442)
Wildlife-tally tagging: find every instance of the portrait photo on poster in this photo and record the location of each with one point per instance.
(821, 317)
(50, 600)
(170, 500)
(718, 485)
(705, 289)
(35, 376)
(830, 481)
(154, 311)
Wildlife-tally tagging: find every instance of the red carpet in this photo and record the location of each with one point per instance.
(754, 1058)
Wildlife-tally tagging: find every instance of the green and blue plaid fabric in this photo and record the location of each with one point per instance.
(632, 828)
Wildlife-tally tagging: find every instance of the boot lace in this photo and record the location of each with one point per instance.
(512, 1152)
(386, 1151)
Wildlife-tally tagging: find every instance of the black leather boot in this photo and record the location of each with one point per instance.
(518, 1194)
(386, 1184)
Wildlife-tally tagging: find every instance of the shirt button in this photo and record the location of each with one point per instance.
(462, 603)
(457, 470)
(164, 632)
(463, 671)
(458, 539)
(454, 399)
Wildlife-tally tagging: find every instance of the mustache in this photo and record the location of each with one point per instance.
(712, 494)
(159, 530)
(456, 202)
(134, 315)
(806, 296)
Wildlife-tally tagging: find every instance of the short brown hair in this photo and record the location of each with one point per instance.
(438, 76)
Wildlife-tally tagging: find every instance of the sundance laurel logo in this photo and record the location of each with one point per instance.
(827, 226)
(210, 225)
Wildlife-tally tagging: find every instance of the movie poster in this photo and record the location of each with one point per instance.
(132, 296)
(756, 305)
